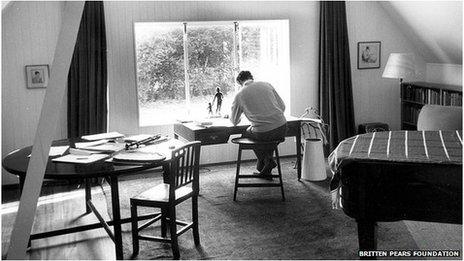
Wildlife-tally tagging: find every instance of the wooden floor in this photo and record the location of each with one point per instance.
(67, 208)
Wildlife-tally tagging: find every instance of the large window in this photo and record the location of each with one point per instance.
(180, 65)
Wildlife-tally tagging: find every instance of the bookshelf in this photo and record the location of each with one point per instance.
(414, 95)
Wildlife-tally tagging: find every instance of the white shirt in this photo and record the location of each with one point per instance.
(261, 104)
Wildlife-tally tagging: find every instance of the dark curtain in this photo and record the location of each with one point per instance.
(335, 91)
(87, 78)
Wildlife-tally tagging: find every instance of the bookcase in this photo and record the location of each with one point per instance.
(415, 94)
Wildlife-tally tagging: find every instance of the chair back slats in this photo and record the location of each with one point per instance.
(192, 165)
(185, 165)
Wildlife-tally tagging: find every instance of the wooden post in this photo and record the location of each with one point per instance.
(46, 128)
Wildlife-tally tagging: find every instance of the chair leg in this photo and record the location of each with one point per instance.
(239, 159)
(173, 229)
(135, 236)
(164, 228)
(196, 234)
(280, 173)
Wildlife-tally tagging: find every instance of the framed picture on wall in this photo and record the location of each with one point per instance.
(368, 55)
(37, 76)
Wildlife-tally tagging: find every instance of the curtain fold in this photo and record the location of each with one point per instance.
(335, 89)
(87, 78)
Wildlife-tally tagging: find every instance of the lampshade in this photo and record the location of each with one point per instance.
(399, 66)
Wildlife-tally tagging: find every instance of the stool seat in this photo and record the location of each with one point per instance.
(252, 144)
(248, 141)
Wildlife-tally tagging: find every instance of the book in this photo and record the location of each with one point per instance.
(101, 136)
(80, 159)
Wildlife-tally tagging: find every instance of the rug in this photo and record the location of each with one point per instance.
(258, 225)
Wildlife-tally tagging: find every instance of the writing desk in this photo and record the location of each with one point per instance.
(399, 175)
(221, 129)
(17, 161)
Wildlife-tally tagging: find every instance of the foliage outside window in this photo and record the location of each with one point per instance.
(180, 65)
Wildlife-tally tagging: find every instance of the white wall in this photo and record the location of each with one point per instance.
(445, 74)
(29, 34)
(377, 99)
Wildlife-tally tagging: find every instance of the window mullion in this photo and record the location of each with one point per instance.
(186, 70)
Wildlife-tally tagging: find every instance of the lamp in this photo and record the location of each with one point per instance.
(399, 66)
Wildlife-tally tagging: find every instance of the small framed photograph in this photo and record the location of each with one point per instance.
(368, 55)
(37, 76)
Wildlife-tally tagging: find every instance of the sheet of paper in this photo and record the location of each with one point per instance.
(100, 136)
(108, 147)
(82, 152)
(82, 145)
(80, 159)
(56, 151)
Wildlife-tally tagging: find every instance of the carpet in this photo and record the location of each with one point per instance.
(259, 225)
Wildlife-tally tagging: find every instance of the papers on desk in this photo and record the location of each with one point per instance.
(82, 145)
(100, 146)
(138, 156)
(56, 151)
(80, 159)
(101, 136)
(82, 152)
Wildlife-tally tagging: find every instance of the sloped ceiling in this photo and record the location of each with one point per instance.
(435, 27)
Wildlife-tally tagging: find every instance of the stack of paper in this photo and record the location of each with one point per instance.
(82, 145)
(138, 156)
(56, 151)
(109, 147)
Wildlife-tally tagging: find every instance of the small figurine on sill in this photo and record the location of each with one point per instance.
(210, 109)
(219, 97)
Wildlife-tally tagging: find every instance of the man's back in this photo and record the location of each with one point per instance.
(261, 105)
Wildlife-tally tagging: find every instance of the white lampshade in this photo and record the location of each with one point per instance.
(399, 66)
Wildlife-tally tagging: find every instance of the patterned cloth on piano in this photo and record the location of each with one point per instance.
(443, 147)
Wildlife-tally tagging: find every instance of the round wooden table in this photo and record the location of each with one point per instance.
(16, 162)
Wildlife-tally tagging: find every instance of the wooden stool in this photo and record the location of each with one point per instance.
(250, 144)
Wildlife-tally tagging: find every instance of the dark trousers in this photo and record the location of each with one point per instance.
(265, 155)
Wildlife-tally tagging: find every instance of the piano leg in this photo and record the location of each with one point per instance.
(367, 236)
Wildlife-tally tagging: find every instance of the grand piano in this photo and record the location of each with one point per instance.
(399, 175)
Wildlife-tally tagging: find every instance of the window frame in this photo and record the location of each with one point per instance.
(237, 54)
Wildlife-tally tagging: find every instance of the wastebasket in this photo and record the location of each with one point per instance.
(313, 161)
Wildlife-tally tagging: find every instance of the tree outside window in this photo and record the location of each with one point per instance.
(215, 52)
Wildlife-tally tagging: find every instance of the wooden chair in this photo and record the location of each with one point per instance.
(181, 182)
(250, 144)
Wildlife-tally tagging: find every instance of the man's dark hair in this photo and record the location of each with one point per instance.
(243, 76)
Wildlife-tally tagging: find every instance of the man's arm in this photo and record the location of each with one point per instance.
(280, 102)
(236, 112)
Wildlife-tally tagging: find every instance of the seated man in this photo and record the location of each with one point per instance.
(264, 108)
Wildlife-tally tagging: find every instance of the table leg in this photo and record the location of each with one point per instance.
(298, 152)
(88, 195)
(116, 217)
(367, 236)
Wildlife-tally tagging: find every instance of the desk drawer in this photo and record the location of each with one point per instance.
(208, 138)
